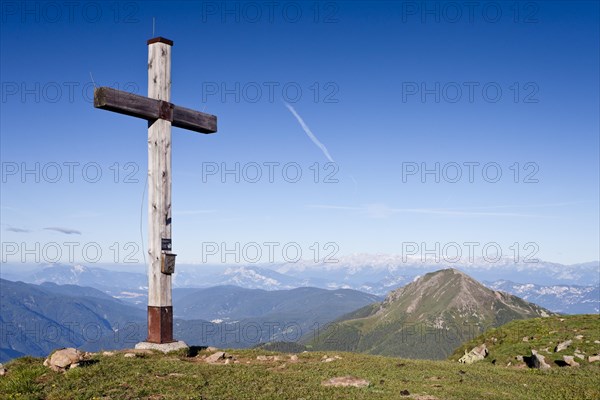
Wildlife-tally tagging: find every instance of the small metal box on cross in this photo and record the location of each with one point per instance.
(161, 114)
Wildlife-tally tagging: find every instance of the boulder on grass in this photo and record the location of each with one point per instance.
(570, 361)
(538, 361)
(563, 345)
(476, 354)
(64, 359)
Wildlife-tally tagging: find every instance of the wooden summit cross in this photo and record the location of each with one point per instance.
(161, 114)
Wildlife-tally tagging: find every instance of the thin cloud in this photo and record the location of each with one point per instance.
(309, 133)
(17, 230)
(85, 214)
(194, 212)
(383, 211)
(571, 203)
(66, 231)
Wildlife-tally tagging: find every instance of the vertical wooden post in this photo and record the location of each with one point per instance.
(160, 307)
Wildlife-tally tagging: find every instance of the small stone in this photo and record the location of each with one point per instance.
(562, 346)
(129, 355)
(330, 359)
(345, 381)
(276, 358)
(62, 359)
(594, 358)
(219, 355)
(580, 356)
(597, 341)
(570, 360)
(579, 337)
(227, 361)
(262, 358)
(2, 370)
(108, 353)
(519, 358)
(526, 338)
(538, 360)
(476, 354)
(211, 349)
(293, 357)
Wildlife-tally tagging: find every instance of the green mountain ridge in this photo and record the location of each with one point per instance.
(428, 318)
(519, 337)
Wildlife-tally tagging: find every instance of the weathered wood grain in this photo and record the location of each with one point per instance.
(159, 175)
(121, 102)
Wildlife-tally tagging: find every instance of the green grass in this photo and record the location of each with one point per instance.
(158, 376)
(506, 342)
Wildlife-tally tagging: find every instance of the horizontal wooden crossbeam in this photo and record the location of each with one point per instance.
(149, 109)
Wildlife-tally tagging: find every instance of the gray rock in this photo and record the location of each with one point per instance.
(476, 354)
(164, 347)
(563, 345)
(219, 355)
(2, 370)
(570, 360)
(538, 361)
(63, 359)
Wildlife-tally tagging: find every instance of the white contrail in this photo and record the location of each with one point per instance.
(309, 133)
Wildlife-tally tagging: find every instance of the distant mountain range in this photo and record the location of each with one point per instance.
(231, 303)
(428, 318)
(560, 288)
(567, 299)
(36, 319)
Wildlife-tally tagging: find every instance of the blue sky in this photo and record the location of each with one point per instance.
(386, 87)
